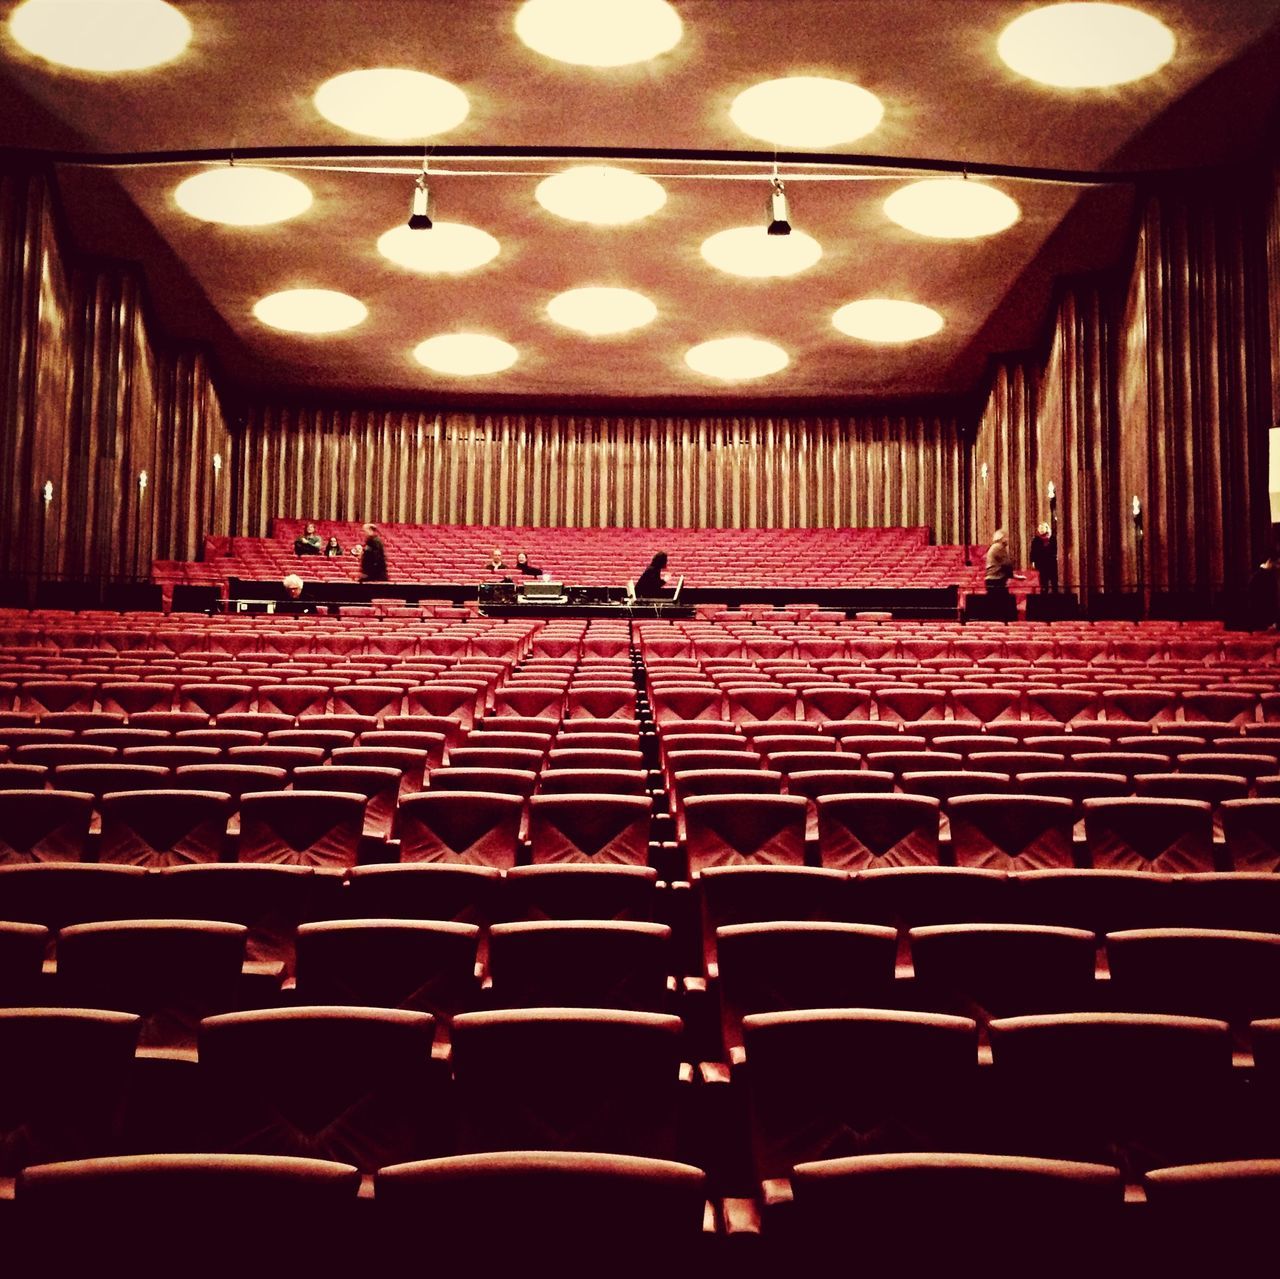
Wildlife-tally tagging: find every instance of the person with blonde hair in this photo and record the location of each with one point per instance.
(1044, 557)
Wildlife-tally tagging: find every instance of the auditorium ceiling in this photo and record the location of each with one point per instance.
(940, 101)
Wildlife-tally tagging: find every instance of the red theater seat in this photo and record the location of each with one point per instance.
(301, 828)
(157, 828)
(469, 827)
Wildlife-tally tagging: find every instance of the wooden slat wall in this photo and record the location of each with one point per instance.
(577, 471)
(1162, 389)
(89, 401)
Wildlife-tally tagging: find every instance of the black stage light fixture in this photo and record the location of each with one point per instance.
(419, 219)
(779, 219)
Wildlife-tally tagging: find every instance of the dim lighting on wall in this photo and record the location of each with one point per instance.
(983, 472)
(217, 465)
(1053, 491)
(1137, 509)
(142, 481)
(46, 493)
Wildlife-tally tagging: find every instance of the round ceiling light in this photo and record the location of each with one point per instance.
(590, 34)
(601, 311)
(600, 194)
(310, 310)
(392, 103)
(952, 209)
(736, 359)
(752, 251)
(465, 354)
(101, 35)
(449, 248)
(243, 197)
(806, 111)
(1086, 45)
(887, 320)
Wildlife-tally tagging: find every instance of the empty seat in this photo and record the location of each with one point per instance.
(379, 786)
(66, 1074)
(44, 825)
(1251, 828)
(171, 972)
(1002, 970)
(856, 832)
(589, 827)
(301, 828)
(1098, 900)
(164, 827)
(1201, 972)
(580, 890)
(784, 966)
(581, 964)
(1011, 832)
(723, 830)
(1173, 835)
(568, 1079)
(839, 1082)
(473, 827)
(426, 966)
(570, 1209)
(1133, 1089)
(233, 779)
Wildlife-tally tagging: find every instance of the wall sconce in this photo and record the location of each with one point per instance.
(1137, 511)
(46, 493)
(217, 465)
(983, 472)
(1053, 492)
(142, 482)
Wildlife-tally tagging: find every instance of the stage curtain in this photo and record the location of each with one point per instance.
(417, 466)
(92, 400)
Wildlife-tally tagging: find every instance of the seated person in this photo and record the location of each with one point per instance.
(523, 566)
(309, 543)
(333, 547)
(495, 564)
(293, 601)
(652, 582)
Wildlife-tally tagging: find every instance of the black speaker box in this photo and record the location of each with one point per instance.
(996, 606)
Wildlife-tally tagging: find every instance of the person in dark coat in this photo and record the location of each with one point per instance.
(523, 566)
(333, 547)
(651, 583)
(999, 567)
(373, 558)
(1044, 557)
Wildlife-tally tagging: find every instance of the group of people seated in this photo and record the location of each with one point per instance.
(522, 566)
(371, 553)
(311, 543)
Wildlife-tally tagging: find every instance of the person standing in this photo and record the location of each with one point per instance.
(1044, 557)
(373, 558)
(1000, 566)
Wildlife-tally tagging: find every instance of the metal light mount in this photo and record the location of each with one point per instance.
(419, 218)
(779, 218)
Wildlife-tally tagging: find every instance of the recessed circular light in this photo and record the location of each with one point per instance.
(449, 248)
(601, 311)
(751, 251)
(600, 194)
(310, 310)
(243, 196)
(465, 354)
(1086, 45)
(952, 209)
(736, 359)
(806, 111)
(590, 34)
(101, 35)
(391, 102)
(887, 320)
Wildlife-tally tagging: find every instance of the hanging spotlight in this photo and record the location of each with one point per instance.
(419, 219)
(779, 220)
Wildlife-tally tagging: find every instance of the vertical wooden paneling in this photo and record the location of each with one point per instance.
(546, 470)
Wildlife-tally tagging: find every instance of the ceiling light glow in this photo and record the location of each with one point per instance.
(751, 251)
(392, 103)
(736, 359)
(600, 194)
(243, 196)
(452, 248)
(465, 354)
(590, 34)
(101, 35)
(601, 311)
(806, 111)
(310, 310)
(887, 320)
(1086, 45)
(952, 209)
